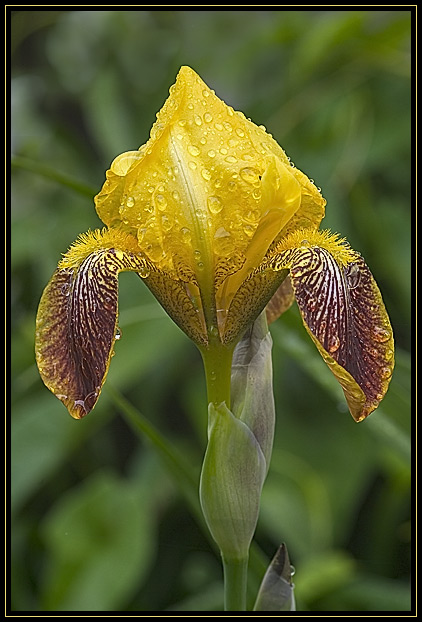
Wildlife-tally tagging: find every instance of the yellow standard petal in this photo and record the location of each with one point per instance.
(207, 196)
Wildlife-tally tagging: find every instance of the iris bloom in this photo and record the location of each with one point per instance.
(213, 216)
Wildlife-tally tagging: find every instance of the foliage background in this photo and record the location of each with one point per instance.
(98, 521)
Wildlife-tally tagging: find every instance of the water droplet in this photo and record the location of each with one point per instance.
(207, 117)
(206, 174)
(192, 165)
(197, 119)
(223, 151)
(214, 205)
(334, 344)
(161, 202)
(182, 122)
(175, 195)
(381, 334)
(262, 127)
(221, 233)
(231, 185)
(353, 275)
(292, 570)
(211, 153)
(186, 234)
(386, 372)
(118, 334)
(252, 215)
(231, 159)
(228, 126)
(219, 127)
(193, 150)
(250, 175)
(240, 132)
(205, 93)
(130, 202)
(218, 183)
(144, 272)
(166, 223)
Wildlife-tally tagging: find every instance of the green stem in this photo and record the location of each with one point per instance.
(217, 363)
(235, 579)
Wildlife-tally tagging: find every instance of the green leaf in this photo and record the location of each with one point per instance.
(101, 539)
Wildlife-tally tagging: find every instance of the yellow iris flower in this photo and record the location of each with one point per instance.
(212, 214)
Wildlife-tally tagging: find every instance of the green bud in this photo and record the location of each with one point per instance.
(232, 475)
(277, 590)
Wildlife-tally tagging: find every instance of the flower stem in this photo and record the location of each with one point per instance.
(217, 363)
(235, 583)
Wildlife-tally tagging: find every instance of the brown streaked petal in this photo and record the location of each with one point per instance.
(76, 327)
(281, 301)
(343, 311)
(249, 301)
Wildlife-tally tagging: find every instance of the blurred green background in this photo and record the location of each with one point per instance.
(99, 522)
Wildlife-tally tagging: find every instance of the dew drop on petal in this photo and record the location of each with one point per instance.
(386, 372)
(193, 150)
(206, 174)
(381, 334)
(214, 205)
(130, 202)
(334, 344)
(250, 175)
(144, 274)
(186, 234)
(161, 202)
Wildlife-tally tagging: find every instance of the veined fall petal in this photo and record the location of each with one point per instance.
(343, 312)
(76, 323)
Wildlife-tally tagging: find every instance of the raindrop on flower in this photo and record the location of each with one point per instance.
(380, 334)
(214, 205)
(161, 202)
(250, 175)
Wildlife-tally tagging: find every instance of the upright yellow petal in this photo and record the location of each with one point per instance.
(208, 194)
